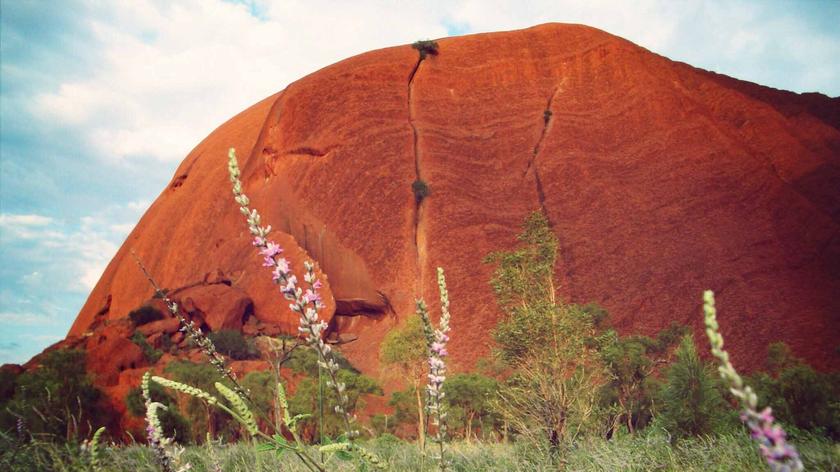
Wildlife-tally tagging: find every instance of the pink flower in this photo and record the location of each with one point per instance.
(291, 285)
(271, 249)
(311, 296)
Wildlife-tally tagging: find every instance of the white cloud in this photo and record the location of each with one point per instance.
(9, 220)
(169, 73)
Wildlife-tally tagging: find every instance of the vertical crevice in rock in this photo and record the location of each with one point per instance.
(418, 180)
(565, 256)
(547, 121)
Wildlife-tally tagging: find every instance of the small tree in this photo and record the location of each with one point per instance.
(403, 351)
(692, 404)
(551, 396)
(472, 393)
(57, 398)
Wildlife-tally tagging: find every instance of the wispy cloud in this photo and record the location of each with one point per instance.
(9, 221)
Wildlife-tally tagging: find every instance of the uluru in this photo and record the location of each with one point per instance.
(658, 179)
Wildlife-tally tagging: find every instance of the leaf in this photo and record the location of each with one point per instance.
(344, 455)
(279, 439)
(266, 447)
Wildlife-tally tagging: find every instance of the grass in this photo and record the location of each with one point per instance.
(640, 452)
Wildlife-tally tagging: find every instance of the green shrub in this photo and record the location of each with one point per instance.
(691, 401)
(305, 400)
(420, 189)
(799, 395)
(151, 354)
(201, 417)
(550, 399)
(471, 395)
(425, 47)
(145, 314)
(172, 422)
(57, 398)
(234, 345)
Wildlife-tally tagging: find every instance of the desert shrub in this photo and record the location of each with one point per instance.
(425, 47)
(469, 397)
(403, 353)
(551, 396)
(305, 400)
(691, 400)
(174, 424)
(632, 361)
(151, 354)
(233, 344)
(382, 424)
(420, 189)
(404, 403)
(57, 398)
(202, 417)
(798, 394)
(305, 361)
(145, 314)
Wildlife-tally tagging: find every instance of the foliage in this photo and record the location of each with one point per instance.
(420, 189)
(469, 397)
(798, 394)
(692, 404)
(201, 417)
(145, 314)
(632, 362)
(403, 352)
(305, 361)
(56, 398)
(551, 397)
(173, 423)
(425, 47)
(151, 354)
(233, 344)
(305, 400)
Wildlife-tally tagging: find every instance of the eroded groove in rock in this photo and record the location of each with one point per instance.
(418, 181)
(547, 116)
(547, 121)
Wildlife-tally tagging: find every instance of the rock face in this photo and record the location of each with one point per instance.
(659, 179)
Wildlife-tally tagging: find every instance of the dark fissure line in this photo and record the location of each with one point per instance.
(547, 121)
(418, 202)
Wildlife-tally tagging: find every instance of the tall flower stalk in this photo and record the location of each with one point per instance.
(166, 452)
(305, 300)
(780, 456)
(436, 339)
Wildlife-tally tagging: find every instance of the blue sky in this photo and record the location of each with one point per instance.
(100, 101)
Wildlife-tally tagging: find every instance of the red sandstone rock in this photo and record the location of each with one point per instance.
(220, 306)
(167, 325)
(659, 179)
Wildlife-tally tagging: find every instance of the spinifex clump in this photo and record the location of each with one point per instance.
(780, 456)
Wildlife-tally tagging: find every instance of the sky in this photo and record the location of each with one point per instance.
(101, 100)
